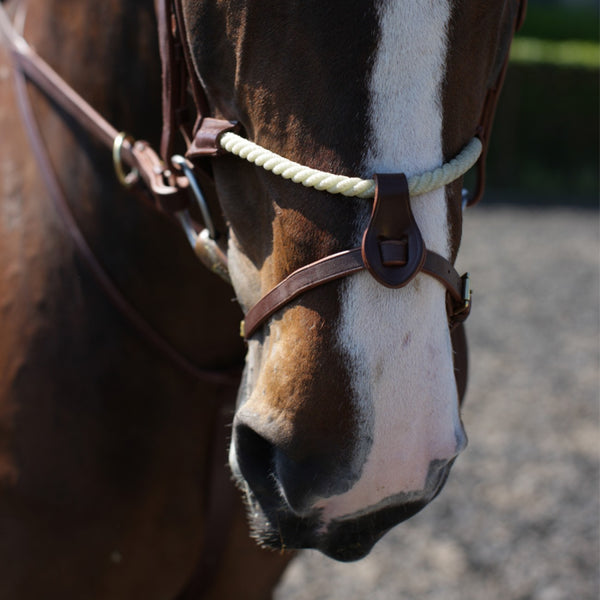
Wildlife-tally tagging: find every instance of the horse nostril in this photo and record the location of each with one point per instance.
(255, 456)
(271, 474)
(300, 482)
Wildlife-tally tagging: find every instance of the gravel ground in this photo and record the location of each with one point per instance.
(518, 519)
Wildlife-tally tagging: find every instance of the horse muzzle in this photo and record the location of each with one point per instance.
(289, 501)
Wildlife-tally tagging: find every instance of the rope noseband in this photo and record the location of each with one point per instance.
(348, 186)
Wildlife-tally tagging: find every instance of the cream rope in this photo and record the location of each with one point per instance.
(349, 186)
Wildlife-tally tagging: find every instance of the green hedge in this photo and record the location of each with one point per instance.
(561, 23)
(545, 142)
(566, 53)
(546, 135)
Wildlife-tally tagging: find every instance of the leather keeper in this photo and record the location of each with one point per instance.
(170, 194)
(392, 220)
(206, 137)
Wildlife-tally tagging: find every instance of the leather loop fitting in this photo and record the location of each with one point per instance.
(392, 220)
(206, 137)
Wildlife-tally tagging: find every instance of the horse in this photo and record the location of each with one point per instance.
(107, 443)
(119, 350)
(348, 415)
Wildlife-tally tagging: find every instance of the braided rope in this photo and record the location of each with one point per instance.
(348, 186)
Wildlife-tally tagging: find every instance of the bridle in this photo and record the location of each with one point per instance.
(392, 248)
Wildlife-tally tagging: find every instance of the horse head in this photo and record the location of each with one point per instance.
(348, 418)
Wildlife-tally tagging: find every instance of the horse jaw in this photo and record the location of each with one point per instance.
(397, 341)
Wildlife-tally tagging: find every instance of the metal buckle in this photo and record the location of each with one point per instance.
(127, 180)
(466, 295)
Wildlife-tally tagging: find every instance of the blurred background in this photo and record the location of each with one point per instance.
(545, 138)
(519, 517)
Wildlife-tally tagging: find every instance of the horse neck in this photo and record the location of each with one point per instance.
(109, 54)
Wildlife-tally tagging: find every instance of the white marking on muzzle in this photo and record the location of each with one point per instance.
(397, 341)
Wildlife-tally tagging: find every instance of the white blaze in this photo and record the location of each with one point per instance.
(397, 340)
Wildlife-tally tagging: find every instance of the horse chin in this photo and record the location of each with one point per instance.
(350, 538)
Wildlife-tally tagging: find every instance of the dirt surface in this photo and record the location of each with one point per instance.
(519, 516)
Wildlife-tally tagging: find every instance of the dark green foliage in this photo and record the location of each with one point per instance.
(561, 23)
(545, 138)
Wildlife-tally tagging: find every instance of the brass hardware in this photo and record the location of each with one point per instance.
(467, 293)
(127, 180)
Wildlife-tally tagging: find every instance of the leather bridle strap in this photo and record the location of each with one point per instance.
(349, 262)
(392, 251)
(36, 70)
(179, 78)
(169, 192)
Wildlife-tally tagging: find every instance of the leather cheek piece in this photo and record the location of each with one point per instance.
(206, 137)
(392, 220)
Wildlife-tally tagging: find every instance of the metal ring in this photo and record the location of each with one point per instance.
(125, 179)
(181, 163)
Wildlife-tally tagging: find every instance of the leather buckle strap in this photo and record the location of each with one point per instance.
(392, 251)
(334, 267)
(459, 311)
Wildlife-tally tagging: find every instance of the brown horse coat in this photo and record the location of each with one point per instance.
(104, 443)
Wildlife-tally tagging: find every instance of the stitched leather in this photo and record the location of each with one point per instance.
(392, 219)
(172, 64)
(461, 359)
(206, 138)
(342, 264)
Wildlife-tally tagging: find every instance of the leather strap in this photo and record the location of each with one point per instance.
(138, 156)
(392, 219)
(394, 255)
(29, 64)
(206, 138)
(173, 78)
(178, 76)
(219, 500)
(461, 359)
(521, 15)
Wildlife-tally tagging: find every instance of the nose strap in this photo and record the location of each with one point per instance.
(395, 253)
